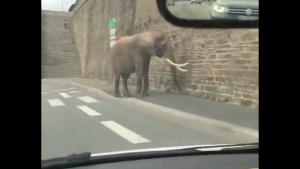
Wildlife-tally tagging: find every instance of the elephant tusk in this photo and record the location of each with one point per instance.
(176, 64)
(184, 64)
(180, 69)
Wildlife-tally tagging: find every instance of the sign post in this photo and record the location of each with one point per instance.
(112, 31)
(112, 34)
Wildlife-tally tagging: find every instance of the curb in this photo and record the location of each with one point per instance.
(170, 111)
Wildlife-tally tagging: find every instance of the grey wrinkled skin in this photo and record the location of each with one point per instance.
(133, 54)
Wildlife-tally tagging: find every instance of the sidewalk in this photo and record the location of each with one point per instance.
(226, 112)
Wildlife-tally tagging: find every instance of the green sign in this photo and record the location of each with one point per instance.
(112, 23)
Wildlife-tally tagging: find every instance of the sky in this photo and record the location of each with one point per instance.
(56, 5)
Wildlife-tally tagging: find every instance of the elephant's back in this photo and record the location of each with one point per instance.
(138, 40)
(127, 45)
(122, 54)
(122, 46)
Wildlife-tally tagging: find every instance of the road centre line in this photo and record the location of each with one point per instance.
(55, 102)
(87, 99)
(65, 95)
(73, 91)
(56, 91)
(127, 134)
(166, 111)
(89, 111)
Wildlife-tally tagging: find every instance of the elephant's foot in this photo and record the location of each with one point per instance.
(145, 94)
(117, 94)
(127, 94)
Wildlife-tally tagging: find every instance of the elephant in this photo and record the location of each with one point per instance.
(133, 54)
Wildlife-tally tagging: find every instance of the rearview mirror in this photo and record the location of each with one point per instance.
(211, 13)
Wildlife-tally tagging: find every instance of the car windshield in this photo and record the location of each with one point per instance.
(117, 76)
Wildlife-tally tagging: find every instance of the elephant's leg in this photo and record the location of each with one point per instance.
(146, 85)
(139, 78)
(117, 81)
(139, 84)
(126, 92)
(146, 78)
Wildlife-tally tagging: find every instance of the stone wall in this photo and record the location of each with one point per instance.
(90, 18)
(59, 53)
(223, 62)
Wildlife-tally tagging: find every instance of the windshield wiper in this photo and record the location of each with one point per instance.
(87, 158)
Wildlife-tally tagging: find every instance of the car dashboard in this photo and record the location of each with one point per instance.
(215, 161)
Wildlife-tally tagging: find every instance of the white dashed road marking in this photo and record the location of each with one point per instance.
(65, 95)
(88, 99)
(73, 91)
(55, 102)
(89, 111)
(124, 132)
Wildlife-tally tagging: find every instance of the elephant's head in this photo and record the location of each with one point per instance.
(164, 48)
(160, 46)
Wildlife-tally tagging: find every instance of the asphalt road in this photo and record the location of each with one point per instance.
(186, 10)
(76, 120)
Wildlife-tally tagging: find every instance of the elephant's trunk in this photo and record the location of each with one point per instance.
(174, 76)
(170, 58)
